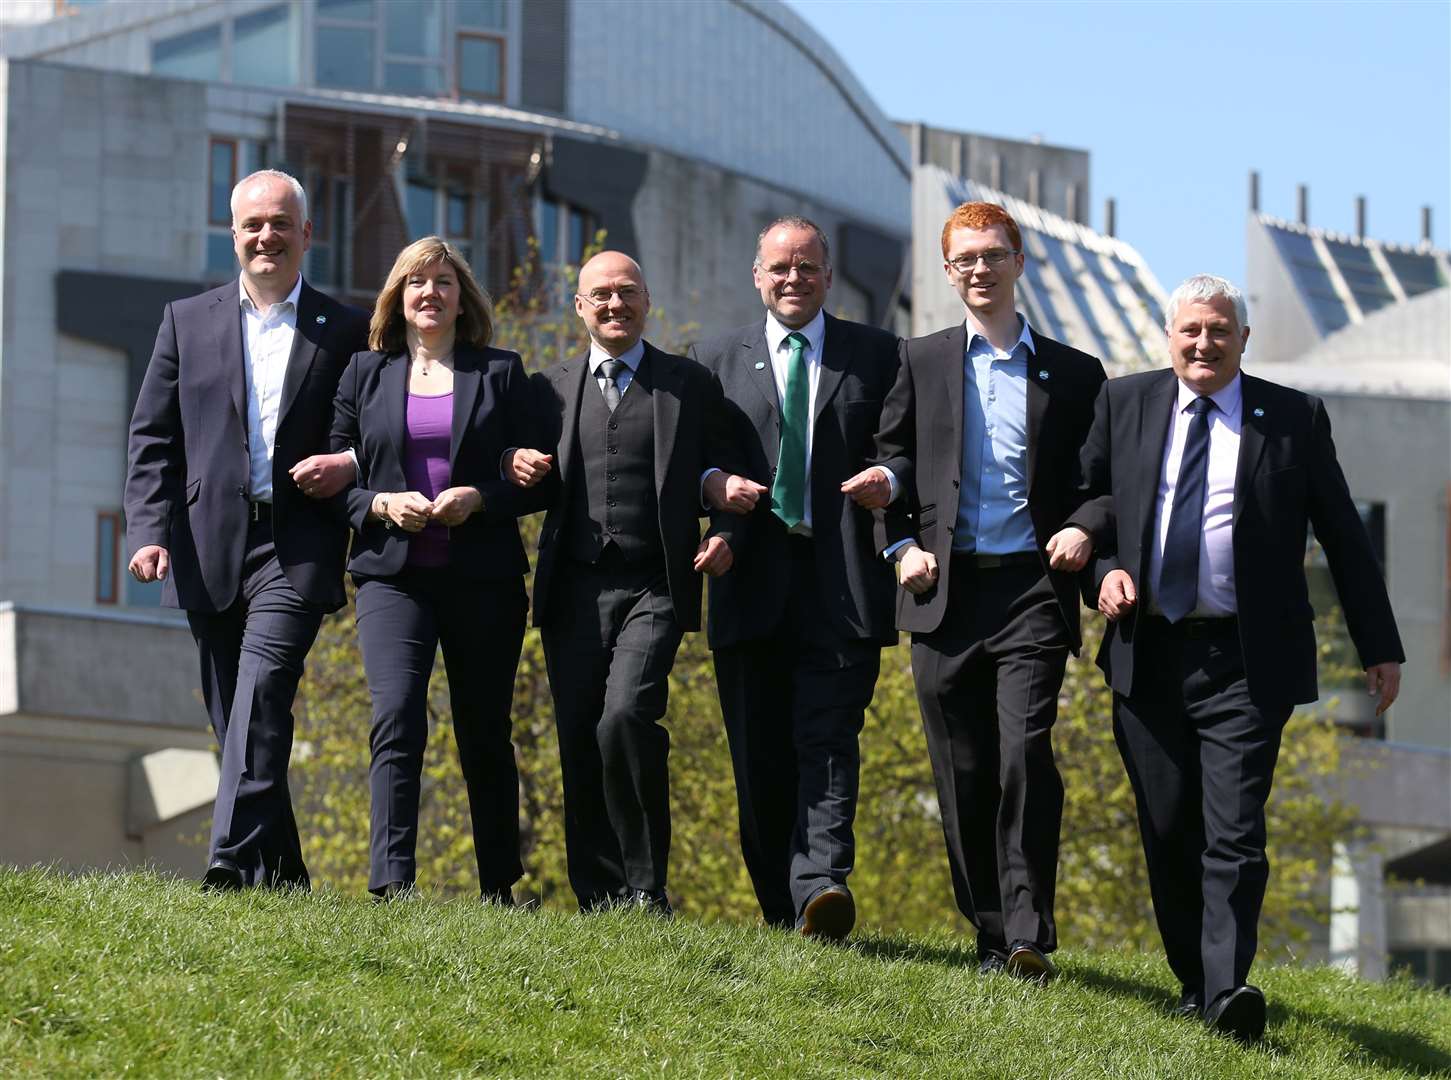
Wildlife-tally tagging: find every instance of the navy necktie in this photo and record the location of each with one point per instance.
(1179, 574)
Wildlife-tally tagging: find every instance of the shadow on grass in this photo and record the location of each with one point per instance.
(1384, 1047)
(892, 948)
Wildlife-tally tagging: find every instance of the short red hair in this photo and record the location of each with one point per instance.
(981, 215)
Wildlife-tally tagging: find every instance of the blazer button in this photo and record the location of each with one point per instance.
(614, 450)
(954, 483)
(242, 490)
(613, 425)
(773, 472)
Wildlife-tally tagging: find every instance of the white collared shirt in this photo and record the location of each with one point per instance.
(266, 348)
(780, 349)
(1216, 551)
(630, 358)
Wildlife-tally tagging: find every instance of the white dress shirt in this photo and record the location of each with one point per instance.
(630, 358)
(1216, 551)
(780, 349)
(266, 348)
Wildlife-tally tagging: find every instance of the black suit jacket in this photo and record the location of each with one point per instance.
(1288, 477)
(188, 471)
(492, 412)
(690, 437)
(921, 437)
(858, 364)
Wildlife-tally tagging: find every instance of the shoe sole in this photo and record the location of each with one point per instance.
(831, 915)
(1243, 1018)
(1028, 965)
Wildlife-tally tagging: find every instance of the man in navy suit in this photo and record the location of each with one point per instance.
(228, 441)
(1214, 478)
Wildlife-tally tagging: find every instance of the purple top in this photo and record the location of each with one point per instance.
(425, 467)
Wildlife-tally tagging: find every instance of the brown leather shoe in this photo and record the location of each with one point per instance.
(830, 914)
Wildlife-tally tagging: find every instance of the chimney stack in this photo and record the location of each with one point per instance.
(1360, 217)
(1254, 191)
(1110, 217)
(1302, 196)
(1426, 225)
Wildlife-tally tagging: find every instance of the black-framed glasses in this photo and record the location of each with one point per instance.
(964, 264)
(628, 294)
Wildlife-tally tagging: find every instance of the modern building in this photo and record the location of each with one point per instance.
(504, 125)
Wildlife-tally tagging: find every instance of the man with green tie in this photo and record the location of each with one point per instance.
(798, 625)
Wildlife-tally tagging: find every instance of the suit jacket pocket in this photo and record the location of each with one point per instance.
(193, 489)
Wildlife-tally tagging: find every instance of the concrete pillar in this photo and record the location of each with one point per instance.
(1357, 910)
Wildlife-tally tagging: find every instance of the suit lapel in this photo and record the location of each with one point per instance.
(835, 358)
(1042, 359)
(466, 380)
(573, 374)
(305, 343)
(393, 383)
(1157, 410)
(1251, 439)
(953, 358)
(227, 324)
(755, 356)
(662, 376)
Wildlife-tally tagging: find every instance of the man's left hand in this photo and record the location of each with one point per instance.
(870, 489)
(455, 504)
(323, 475)
(713, 557)
(1384, 679)
(1068, 549)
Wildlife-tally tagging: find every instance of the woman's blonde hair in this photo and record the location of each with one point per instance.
(387, 332)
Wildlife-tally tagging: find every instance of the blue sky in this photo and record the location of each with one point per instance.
(1176, 102)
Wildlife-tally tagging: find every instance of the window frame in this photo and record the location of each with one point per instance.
(502, 41)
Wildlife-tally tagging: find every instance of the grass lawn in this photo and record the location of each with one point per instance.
(105, 975)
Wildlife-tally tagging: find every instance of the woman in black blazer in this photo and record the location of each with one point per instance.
(436, 555)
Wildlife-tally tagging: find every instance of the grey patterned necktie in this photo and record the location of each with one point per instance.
(611, 369)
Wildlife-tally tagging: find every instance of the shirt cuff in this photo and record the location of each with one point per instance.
(503, 463)
(703, 478)
(357, 472)
(891, 483)
(890, 553)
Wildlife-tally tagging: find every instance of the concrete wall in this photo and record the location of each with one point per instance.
(1284, 329)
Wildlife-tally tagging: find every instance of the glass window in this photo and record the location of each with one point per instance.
(193, 55)
(108, 550)
(344, 57)
(456, 214)
(356, 10)
(548, 232)
(480, 66)
(221, 259)
(223, 179)
(1298, 251)
(1417, 273)
(578, 236)
(419, 205)
(482, 14)
(265, 48)
(410, 78)
(413, 28)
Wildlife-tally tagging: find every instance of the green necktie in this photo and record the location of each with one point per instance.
(788, 493)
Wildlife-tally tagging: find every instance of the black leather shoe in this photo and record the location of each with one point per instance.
(1191, 1005)
(394, 890)
(1239, 1013)
(500, 897)
(830, 914)
(993, 963)
(1027, 961)
(222, 877)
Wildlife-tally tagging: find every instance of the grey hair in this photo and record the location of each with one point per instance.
(794, 221)
(1201, 288)
(271, 174)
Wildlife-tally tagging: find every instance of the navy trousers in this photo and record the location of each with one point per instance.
(402, 621)
(251, 661)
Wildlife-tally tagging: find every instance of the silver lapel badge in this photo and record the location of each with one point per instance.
(321, 319)
(1259, 412)
(1043, 373)
(760, 364)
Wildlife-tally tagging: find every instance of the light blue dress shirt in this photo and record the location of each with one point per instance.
(992, 512)
(630, 358)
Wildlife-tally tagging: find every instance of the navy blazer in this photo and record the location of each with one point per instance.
(858, 365)
(188, 471)
(1287, 479)
(492, 412)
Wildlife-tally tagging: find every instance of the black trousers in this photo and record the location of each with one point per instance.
(1201, 757)
(609, 643)
(402, 621)
(794, 702)
(251, 662)
(987, 684)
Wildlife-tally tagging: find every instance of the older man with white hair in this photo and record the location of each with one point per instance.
(1214, 477)
(225, 490)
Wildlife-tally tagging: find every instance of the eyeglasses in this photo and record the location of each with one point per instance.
(966, 263)
(628, 294)
(782, 271)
